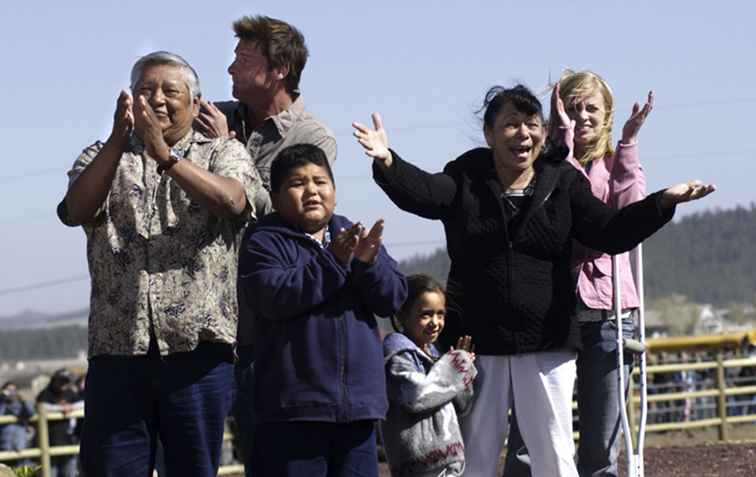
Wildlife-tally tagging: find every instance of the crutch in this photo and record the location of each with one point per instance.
(634, 456)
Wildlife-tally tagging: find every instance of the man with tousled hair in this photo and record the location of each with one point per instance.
(268, 116)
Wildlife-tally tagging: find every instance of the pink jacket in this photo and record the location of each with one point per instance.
(617, 180)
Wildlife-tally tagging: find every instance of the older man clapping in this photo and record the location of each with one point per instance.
(163, 208)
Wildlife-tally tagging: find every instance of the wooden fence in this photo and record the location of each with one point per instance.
(721, 389)
(44, 452)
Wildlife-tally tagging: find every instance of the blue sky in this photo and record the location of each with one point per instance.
(424, 65)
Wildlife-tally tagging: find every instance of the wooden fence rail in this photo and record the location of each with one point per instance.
(44, 452)
(721, 391)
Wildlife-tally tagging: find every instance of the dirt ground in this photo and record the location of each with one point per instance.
(706, 460)
(689, 454)
(698, 453)
(701, 460)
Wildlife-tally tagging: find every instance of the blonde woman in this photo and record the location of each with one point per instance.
(616, 178)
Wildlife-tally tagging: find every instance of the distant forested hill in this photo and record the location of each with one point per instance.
(43, 343)
(708, 257)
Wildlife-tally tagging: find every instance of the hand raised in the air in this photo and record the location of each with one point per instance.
(374, 141)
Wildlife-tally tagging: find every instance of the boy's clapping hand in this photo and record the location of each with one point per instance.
(357, 242)
(369, 243)
(343, 245)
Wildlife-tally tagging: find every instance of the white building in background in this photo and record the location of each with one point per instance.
(710, 321)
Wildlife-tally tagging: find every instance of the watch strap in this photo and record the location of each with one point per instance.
(173, 157)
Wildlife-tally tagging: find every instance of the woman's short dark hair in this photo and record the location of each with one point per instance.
(417, 284)
(295, 156)
(520, 96)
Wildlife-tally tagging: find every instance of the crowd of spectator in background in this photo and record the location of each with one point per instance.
(697, 408)
(63, 393)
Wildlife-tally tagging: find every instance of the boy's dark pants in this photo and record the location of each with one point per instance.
(244, 407)
(315, 449)
(184, 398)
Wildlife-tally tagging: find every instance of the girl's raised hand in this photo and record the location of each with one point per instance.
(465, 343)
(636, 120)
(374, 141)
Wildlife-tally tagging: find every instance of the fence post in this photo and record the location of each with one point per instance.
(43, 439)
(722, 385)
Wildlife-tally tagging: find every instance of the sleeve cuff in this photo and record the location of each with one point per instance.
(383, 175)
(663, 212)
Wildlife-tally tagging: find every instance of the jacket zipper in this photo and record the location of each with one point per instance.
(342, 365)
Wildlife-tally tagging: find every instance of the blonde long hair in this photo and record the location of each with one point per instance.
(575, 85)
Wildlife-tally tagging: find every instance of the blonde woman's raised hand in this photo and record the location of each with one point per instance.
(636, 120)
(374, 141)
(686, 192)
(558, 117)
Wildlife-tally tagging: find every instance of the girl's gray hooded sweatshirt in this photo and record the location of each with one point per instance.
(421, 433)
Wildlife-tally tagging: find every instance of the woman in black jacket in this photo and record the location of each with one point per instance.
(510, 212)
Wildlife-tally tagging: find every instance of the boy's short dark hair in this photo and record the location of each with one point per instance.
(293, 157)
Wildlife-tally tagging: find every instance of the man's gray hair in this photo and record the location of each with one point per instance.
(167, 58)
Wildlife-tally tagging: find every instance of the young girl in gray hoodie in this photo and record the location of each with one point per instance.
(426, 390)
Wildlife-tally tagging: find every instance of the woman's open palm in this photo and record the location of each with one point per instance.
(374, 141)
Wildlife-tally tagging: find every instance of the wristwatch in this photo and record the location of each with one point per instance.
(173, 157)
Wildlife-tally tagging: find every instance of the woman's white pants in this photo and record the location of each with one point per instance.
(539, 385)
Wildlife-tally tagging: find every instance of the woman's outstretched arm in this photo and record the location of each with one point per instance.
(409, 187)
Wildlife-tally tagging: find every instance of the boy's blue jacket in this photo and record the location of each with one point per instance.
(318, 353)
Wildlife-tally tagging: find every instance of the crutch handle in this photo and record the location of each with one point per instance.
(634, 346)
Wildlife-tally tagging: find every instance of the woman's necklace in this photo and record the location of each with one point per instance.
(514, 197)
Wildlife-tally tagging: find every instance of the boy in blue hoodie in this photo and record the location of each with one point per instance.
(315, 282)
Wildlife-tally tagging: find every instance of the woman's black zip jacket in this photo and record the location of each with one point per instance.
(510, 285)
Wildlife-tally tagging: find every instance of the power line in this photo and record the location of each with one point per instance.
(79, 278)
(711, 102)
(45, 284)
(28, 218)
(683, 155)
(368, 176)
(28, 175)
(418, 127)
(414, 244)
